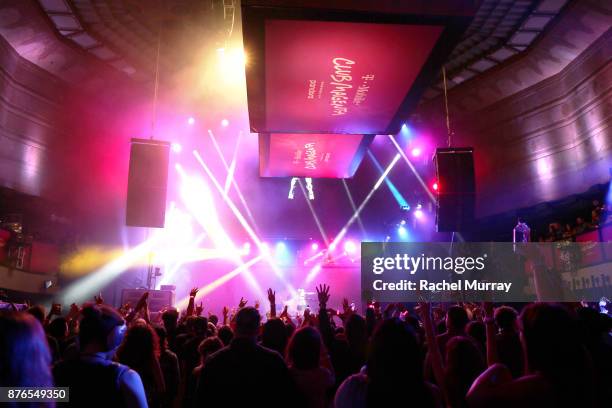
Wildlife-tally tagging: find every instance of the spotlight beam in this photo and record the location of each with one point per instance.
(232, 166)
(89, 285)
(353, 206)
(414, 171)
(314, 214)
(221, 280)
(233, 181)
(401, 201)
(355, 215)
(202, 212)
(245, 224)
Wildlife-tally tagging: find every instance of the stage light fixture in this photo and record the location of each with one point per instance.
(350, 247)
(416, 151)
(176, 147)
(191, 120)
(225, 123)
(418, 214)
(403, 222)
(314, 246)
(402, 232)
(435, 186)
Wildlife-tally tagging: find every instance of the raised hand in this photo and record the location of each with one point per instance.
(142, 302)
(488, 309)
(271, 296)
(423, 309)
(323, 295)
(99, 299)
(198, 310)
(257, 304)
(193, 292)
(225, 311)
(242, 303)
(285, 313)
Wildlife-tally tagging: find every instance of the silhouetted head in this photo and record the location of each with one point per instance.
(24, 352)
(247, 322)
(226, 334)
(456, 319)
(477, 331)
(208, 346)
(552, 342)
(304, 350)
(199, 325)
(356, 330)
(140, 347)
(464, 362)
(274, 335)
(58, 328)
(394, 353)
(505, 318)
(101, 327)
(395, 362)
(170, 319)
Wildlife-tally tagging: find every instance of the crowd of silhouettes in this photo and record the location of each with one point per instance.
(418, 355)
(584, 222)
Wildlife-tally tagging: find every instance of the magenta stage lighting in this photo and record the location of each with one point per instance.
(314, 246)
(176, 147)
(225, 123)
(191, 120)
(350, 247)
(416, 151)
(418, 214)
(246, 248)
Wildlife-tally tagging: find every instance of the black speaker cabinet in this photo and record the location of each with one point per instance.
(147, 183)
(457, 189)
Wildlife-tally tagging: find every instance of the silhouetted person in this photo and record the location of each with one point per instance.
(207, 347)
(226, 335)
(139, 350)
(310, 372)
(394, 373)
(509, 349)
(464, 362)
(94, 379)
(168, 361)
(245, 373)
(24, 355)
(559, 368)
(274, 336)
(456, 321)
(170, 320)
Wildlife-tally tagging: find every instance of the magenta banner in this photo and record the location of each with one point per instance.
(310, 155)
(340, 77)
